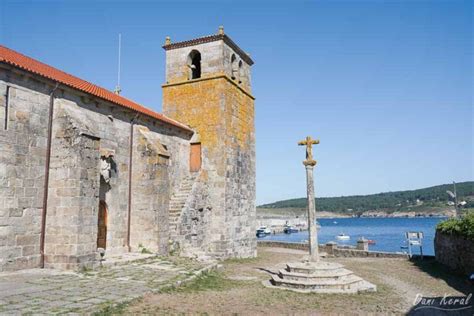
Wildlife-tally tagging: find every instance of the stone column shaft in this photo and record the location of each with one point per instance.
(313, 235)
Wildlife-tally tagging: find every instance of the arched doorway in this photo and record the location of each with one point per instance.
(102, 225)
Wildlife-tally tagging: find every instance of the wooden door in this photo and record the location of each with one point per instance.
(102, 225)
(195, 159)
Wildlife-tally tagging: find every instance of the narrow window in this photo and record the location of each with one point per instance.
(233, 65)
(194, 64)
(241, 72)
(7, 95)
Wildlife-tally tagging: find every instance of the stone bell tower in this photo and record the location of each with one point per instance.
(208, 88)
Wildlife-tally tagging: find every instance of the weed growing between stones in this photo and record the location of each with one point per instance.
(115, 309)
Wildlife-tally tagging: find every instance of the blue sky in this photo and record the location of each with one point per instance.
(385, 85)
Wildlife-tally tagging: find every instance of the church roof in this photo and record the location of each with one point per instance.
(11, 57)
(212, 38)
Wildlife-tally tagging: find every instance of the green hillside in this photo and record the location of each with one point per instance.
(390, 201)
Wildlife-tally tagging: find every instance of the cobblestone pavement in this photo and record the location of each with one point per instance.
(40, 291)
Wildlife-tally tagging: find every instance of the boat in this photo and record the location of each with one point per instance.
(266, 230)
(260, 233)
(288, 229)
(335, 223)
(371, 241)
(343, 236)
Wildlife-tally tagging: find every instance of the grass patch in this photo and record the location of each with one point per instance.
(240, 260)
(109, 308)
(210, 281)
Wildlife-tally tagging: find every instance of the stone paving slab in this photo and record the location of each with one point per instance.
(43, 291)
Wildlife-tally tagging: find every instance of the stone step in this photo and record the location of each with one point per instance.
(327, 276)
(175, 211)
(335, 284)
(177, 203)
(182, 191)
(312, 268)
(176, 207)
(180, 195)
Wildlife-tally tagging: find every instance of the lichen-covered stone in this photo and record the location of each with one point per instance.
(221, 110)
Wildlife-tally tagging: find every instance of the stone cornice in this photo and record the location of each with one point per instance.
(208, 39)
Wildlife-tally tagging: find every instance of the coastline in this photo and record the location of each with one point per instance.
(289, 213)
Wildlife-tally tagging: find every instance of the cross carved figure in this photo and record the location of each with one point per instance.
(309, 142)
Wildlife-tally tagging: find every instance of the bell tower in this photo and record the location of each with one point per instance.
(208, 88)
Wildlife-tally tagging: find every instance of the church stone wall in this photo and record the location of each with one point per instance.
(84, 128)
(22, 159)
(240, 171)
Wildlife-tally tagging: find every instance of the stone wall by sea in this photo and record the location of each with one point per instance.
(455, 252)
(333, 250)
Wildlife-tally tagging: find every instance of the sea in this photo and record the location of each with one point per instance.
(388, 233)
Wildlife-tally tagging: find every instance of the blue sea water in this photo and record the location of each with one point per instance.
(388, 233)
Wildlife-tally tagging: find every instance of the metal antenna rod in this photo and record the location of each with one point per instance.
(117, 88)
(456, 200)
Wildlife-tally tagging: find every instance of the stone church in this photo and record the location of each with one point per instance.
(83, 168)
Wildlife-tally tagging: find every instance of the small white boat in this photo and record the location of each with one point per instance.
(266, 230)
(334, 222)
(343, 236)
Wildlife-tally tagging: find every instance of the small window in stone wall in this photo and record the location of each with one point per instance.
(194, 64)
(233, 65)
(7, 104)
(241, 72)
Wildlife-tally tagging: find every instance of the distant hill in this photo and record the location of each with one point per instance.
(399, 201)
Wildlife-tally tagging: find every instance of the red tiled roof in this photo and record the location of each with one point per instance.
(23, 62)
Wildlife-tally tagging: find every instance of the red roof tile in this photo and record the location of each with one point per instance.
(23, 62)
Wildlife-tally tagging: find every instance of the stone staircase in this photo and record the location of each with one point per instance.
(320, 277)
(177, 203)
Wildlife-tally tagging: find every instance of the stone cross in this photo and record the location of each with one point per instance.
(309, 142)
(309, 165)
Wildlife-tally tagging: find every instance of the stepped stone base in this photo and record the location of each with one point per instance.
(319, 277)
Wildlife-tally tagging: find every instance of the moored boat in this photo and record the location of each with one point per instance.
(343, 236)
(266, 230)
(288, 229)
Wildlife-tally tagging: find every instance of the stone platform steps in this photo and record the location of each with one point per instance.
(336, 275)
(319, 277)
